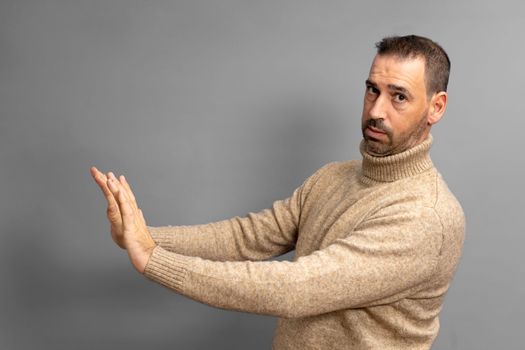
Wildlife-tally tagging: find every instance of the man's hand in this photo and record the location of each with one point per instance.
(112, 212)
(128, 227)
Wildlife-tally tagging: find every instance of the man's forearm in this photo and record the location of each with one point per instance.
(337, 277)
(257, 236)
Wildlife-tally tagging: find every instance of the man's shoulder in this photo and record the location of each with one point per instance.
(428, 186)
(332, 174)
(431, 190)
(447, 205)
(340, 168)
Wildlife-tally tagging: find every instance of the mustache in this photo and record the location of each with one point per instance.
(377, 124)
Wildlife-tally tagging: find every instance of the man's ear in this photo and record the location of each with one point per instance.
(438, 105)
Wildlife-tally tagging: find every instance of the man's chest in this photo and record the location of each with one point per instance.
(335, 214)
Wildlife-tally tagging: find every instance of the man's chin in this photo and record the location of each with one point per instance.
(376, 148)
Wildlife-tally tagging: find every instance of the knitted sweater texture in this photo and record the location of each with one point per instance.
(376, 245)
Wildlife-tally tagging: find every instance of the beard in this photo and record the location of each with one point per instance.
(395, 143)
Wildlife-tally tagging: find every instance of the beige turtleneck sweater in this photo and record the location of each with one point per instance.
(376, 245)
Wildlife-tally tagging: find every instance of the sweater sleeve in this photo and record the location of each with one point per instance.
(385, 259)
(257, 236)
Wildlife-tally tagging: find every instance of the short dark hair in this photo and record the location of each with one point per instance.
(437, 63)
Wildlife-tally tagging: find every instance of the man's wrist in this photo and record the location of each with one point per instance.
(140, 258)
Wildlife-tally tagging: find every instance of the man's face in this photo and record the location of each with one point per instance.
(396, 105)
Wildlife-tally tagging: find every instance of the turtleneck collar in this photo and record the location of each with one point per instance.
(398, 166)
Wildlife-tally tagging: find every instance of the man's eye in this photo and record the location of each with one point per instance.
(371, 90)
(400, 98)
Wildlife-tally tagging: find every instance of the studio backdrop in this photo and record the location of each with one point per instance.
(214, 109)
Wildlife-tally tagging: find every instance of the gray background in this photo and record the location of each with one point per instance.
(216, 108)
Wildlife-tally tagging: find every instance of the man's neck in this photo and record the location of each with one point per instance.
(397, 166)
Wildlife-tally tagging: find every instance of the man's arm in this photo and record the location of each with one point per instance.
(128, 227)
(376, 264)
(257, 236)
(388, 257)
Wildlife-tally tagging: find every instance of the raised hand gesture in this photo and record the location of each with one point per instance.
(128, 227)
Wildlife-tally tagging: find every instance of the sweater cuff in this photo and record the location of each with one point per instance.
(168, 269)
(162, 235)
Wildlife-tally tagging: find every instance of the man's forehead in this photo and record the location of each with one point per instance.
(389, 69)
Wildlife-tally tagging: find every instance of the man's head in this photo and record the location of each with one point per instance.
(405, 94)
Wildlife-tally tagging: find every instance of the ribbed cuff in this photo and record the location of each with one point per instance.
(162, 235)
(168, 269)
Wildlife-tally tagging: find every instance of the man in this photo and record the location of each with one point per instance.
(376, 241)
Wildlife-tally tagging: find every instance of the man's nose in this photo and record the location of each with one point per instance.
(379, 108)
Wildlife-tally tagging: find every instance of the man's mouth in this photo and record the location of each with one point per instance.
(376, 130)
(374, 133)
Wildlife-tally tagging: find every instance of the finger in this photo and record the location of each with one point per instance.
(119, 193)
(126, 210)
(99, 177)
(127, 187)
(113, 187)
(110, 176)
(101, 181)
(94, 171)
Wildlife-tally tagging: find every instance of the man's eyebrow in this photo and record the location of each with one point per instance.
(391, 87)
(398, 88)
